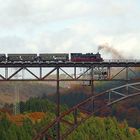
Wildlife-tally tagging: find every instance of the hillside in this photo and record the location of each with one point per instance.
(128, 109)
(25, 90)
(24, 126)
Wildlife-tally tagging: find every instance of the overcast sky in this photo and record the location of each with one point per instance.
(35, 26)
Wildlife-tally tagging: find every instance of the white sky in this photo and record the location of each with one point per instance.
(35, 26)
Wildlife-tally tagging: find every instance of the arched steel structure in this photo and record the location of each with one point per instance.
(84, 110)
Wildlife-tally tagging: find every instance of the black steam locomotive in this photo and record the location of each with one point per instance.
(51, 57)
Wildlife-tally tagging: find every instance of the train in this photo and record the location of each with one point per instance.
(52, 57)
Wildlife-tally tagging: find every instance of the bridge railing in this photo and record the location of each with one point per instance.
(122, 60)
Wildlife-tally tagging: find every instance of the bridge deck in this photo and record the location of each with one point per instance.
(72, 64)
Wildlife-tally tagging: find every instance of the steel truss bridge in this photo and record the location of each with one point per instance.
(102, 70)
(111, 70)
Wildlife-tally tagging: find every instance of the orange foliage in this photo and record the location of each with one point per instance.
(105, 112)
(18, 119)
(133, 130)
(36, 116)
(6, 111)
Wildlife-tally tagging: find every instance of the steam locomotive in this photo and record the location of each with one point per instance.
(51, 57)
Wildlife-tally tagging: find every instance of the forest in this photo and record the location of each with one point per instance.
(125, 110)
(97, 128)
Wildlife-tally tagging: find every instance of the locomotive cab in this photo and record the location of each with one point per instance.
(98, 57)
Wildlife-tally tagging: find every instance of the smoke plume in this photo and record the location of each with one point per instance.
(109, 49)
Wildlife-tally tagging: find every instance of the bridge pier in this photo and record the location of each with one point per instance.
(58, 104)
(92, 87)
(127, 78)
